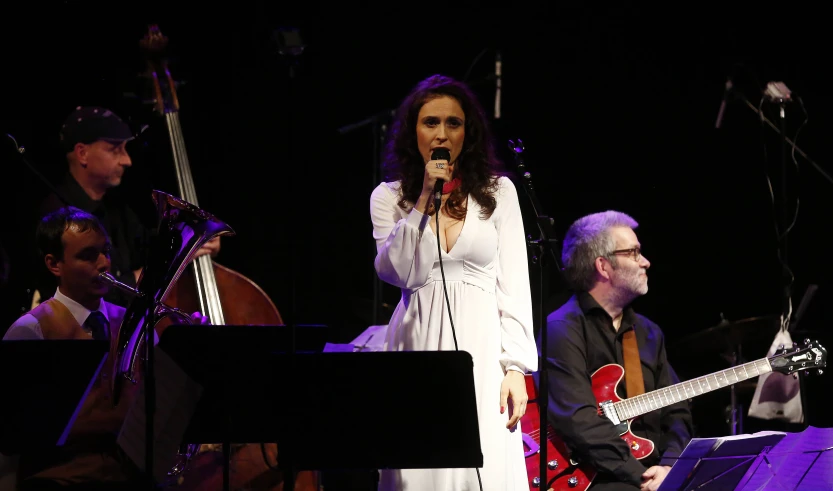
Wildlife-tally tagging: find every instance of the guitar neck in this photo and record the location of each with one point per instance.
(645, 403)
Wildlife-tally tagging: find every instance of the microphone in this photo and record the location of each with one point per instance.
(778, 92)
(497, 84)
(439, 154)
(723, 103)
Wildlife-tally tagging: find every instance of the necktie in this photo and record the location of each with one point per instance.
(98, 325)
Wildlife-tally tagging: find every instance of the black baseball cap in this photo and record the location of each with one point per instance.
(88, 124)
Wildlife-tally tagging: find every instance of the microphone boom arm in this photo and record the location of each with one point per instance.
(786, 138)
(547, 235)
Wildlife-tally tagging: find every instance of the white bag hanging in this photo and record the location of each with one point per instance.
(778, 395)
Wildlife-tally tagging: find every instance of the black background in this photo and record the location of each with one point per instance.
(616, 108)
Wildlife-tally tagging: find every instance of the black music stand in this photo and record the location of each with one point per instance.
(712, 464)
(328, 411)
(44, 384)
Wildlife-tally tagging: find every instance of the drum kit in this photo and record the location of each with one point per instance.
(725, 345)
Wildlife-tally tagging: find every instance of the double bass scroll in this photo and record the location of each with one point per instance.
(225, 296)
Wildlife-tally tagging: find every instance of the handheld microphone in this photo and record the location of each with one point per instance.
(439, 154)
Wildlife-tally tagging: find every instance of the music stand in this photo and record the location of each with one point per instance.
(802, 458)
(45, 383)
(329, 411)
(712, 464)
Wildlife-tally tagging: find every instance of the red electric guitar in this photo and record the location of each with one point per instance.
(566, 474)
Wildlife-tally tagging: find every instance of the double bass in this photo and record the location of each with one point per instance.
(225, 296)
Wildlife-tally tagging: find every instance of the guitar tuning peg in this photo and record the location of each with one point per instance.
(821, 372)
(807, 341)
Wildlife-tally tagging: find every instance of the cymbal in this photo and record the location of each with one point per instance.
(754, 336)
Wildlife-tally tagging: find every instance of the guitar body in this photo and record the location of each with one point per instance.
(562, 472)
(604, 381)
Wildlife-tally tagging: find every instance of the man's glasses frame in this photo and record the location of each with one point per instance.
(634, 252)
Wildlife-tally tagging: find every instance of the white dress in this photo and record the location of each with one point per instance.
(487, 279)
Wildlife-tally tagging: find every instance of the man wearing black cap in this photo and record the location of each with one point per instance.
(95, 141)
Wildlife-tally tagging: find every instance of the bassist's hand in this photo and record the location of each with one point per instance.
(513, 387)
(653, 477)
(212, 248)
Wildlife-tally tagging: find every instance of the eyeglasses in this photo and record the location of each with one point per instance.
(634, 252)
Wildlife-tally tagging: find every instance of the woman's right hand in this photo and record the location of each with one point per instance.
(435, 169)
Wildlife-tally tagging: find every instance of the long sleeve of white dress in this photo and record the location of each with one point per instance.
(513, 293)
(405, 255)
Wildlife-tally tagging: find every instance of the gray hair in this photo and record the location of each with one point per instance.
(587, 239)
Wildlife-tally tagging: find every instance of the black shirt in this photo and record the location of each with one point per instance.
(580, 340)
(128, 236)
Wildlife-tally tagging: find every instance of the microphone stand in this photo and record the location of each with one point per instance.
(541, 248)
(785, 138)
(379, 124)
(290, 46)
(41, 177)
(26, 298)
(782, 245)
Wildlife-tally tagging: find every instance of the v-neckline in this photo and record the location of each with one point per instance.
(462, 229)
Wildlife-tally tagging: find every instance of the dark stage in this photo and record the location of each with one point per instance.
(616, 107)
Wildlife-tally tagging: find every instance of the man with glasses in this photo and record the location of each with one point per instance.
(606, 270)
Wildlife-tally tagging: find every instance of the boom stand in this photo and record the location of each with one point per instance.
(781, 98)
(783, 221)
(735, 409)
(145, 307)
(379, 123)
(540, 248)
(20, 151)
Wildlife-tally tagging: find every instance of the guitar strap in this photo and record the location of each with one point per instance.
(633, 368)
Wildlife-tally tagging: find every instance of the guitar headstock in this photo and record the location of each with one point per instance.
(154, 46)
(810, 355)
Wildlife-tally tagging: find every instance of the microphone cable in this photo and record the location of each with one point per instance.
(437, 202)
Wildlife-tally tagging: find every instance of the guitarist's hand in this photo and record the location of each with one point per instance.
(653, 477)
(514, 387)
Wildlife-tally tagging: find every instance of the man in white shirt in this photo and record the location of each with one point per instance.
(76, 250)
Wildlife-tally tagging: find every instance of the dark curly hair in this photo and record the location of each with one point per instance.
(478, 166)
